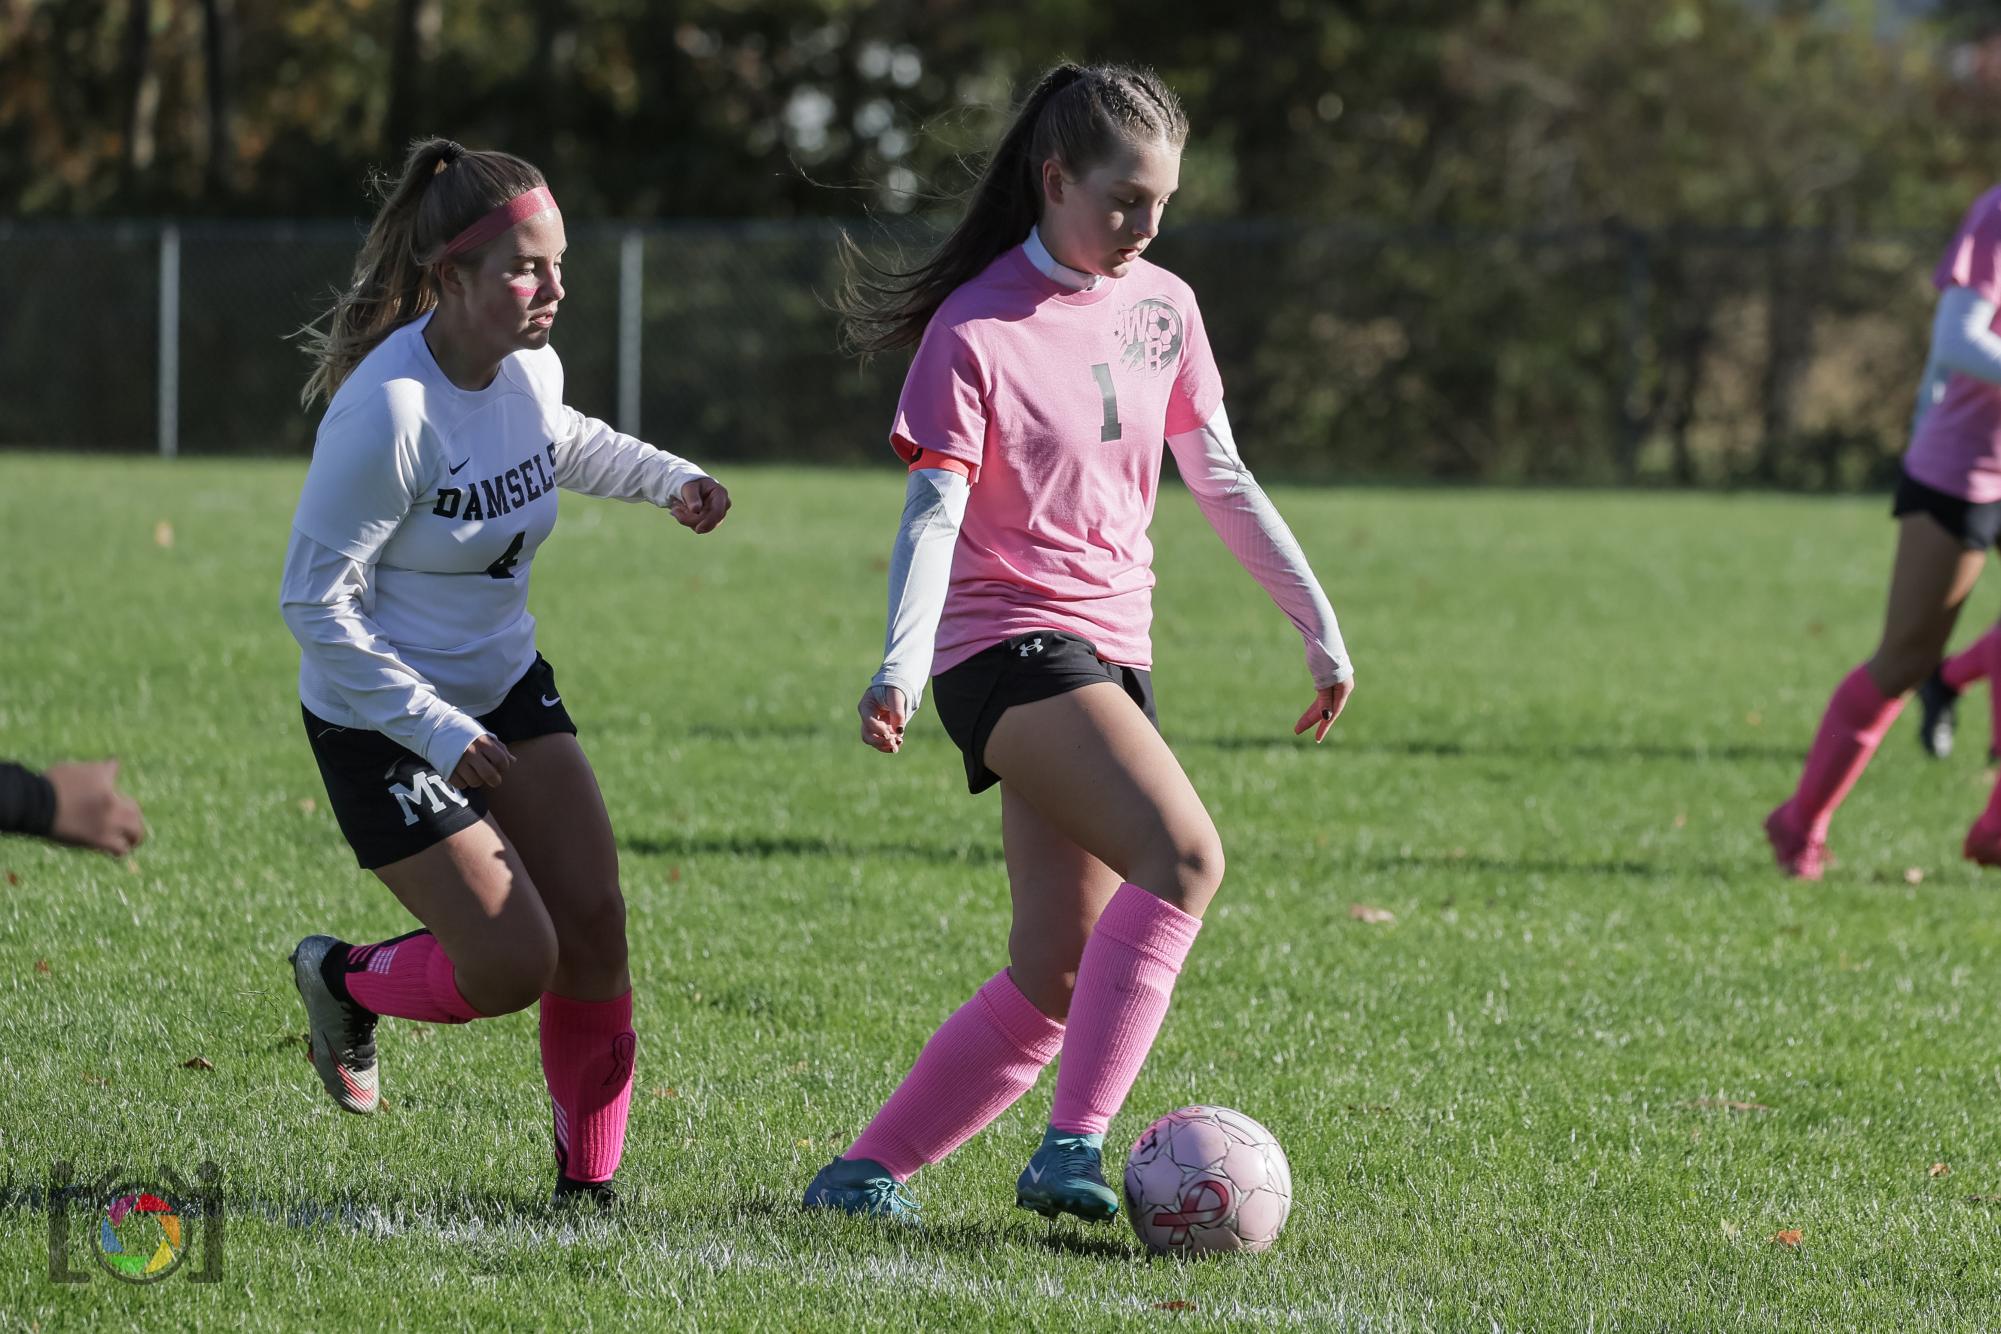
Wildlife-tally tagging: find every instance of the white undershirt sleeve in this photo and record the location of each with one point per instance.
(321, 598)
(1250, 526)
(920, 570)
(599, 461)
(1963, 342)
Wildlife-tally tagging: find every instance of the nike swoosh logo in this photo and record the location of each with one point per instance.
(549, 703)
(390, 772)
(462, 463)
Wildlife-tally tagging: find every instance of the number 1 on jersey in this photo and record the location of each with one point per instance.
(1111, 429)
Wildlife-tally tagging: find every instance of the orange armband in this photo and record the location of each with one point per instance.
(931, 458)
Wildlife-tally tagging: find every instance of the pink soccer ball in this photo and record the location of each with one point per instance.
(1207, 1179)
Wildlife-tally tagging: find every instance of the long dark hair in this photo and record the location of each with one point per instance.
(1076, 114)
(443, 189)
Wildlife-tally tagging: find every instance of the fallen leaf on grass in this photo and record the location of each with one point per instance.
(1731, 1230)
(1983, 1199)
(98, 1080)
(1363, 912)
(1174, 1306)
(1728, 1105)
(673, 873)
(307, 805)
(1681, 819)
(1754, 718)
(806, 1143)
(41, 965)
(290, 1038)
(1914, 875)
(666, 1091)
(1789, 1237)
(13, 879)
(1937, 1170)
(198, 1063)
(163, 534)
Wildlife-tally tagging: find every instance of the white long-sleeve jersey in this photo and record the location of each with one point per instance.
(406, 579)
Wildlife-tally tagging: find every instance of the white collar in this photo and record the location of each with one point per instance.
(1039, 256)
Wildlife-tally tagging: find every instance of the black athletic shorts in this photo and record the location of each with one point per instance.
(1975, 527)
(390, 802)
(972, 696)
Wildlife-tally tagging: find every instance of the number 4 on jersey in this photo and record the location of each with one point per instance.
(504, 567)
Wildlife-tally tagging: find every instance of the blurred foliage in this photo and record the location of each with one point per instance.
(1545, 239)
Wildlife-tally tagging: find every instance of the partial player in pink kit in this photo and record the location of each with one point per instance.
(1055, 366)
(1948, 508)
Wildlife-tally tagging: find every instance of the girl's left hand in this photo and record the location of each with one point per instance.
(1327, 705)
(701, 504)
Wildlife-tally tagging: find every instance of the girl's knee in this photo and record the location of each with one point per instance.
(1045, 972)
(1187, 871)
(510, 976)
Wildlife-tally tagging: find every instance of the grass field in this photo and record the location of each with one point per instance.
(1507, 1108)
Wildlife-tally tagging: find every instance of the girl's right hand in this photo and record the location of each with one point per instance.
(884, 714)
(484, 763)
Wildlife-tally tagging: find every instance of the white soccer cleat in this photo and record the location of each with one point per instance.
(340, 1033)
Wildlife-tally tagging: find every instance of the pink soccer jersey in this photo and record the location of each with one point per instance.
(1957, 448)
(1060, 403)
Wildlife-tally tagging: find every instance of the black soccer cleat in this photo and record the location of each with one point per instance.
(595, 1194)
(1938, 704)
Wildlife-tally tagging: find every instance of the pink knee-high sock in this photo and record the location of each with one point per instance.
(1856, 719)
(978, 1063)
(587, 1051)
(1974, 661)
(1992, 640)
(408, 977)
(1123, 986)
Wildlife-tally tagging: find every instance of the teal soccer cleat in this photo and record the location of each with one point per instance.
(1067, 1176)
(861, 1186)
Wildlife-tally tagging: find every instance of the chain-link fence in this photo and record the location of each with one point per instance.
(1601, 355)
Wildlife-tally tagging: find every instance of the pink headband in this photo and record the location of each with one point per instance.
(518, 209)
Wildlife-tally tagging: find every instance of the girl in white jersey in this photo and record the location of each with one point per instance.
(1055, 365)
(1948, 506)
(449, 758)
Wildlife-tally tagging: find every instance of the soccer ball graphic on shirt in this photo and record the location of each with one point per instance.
(1207, 1179)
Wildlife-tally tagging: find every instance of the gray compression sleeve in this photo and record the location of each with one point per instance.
(920, 569)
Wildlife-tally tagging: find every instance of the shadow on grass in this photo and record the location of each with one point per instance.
(375, 1215)
(1420, 748)
(1610, 868)
(801, 845)
(967, 1237)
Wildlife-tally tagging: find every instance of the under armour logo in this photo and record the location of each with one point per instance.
(1203, 1204)
(1032, 646)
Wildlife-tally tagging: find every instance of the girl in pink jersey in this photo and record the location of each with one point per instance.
(1054, 365)
(449, 757)
(1948, 508)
